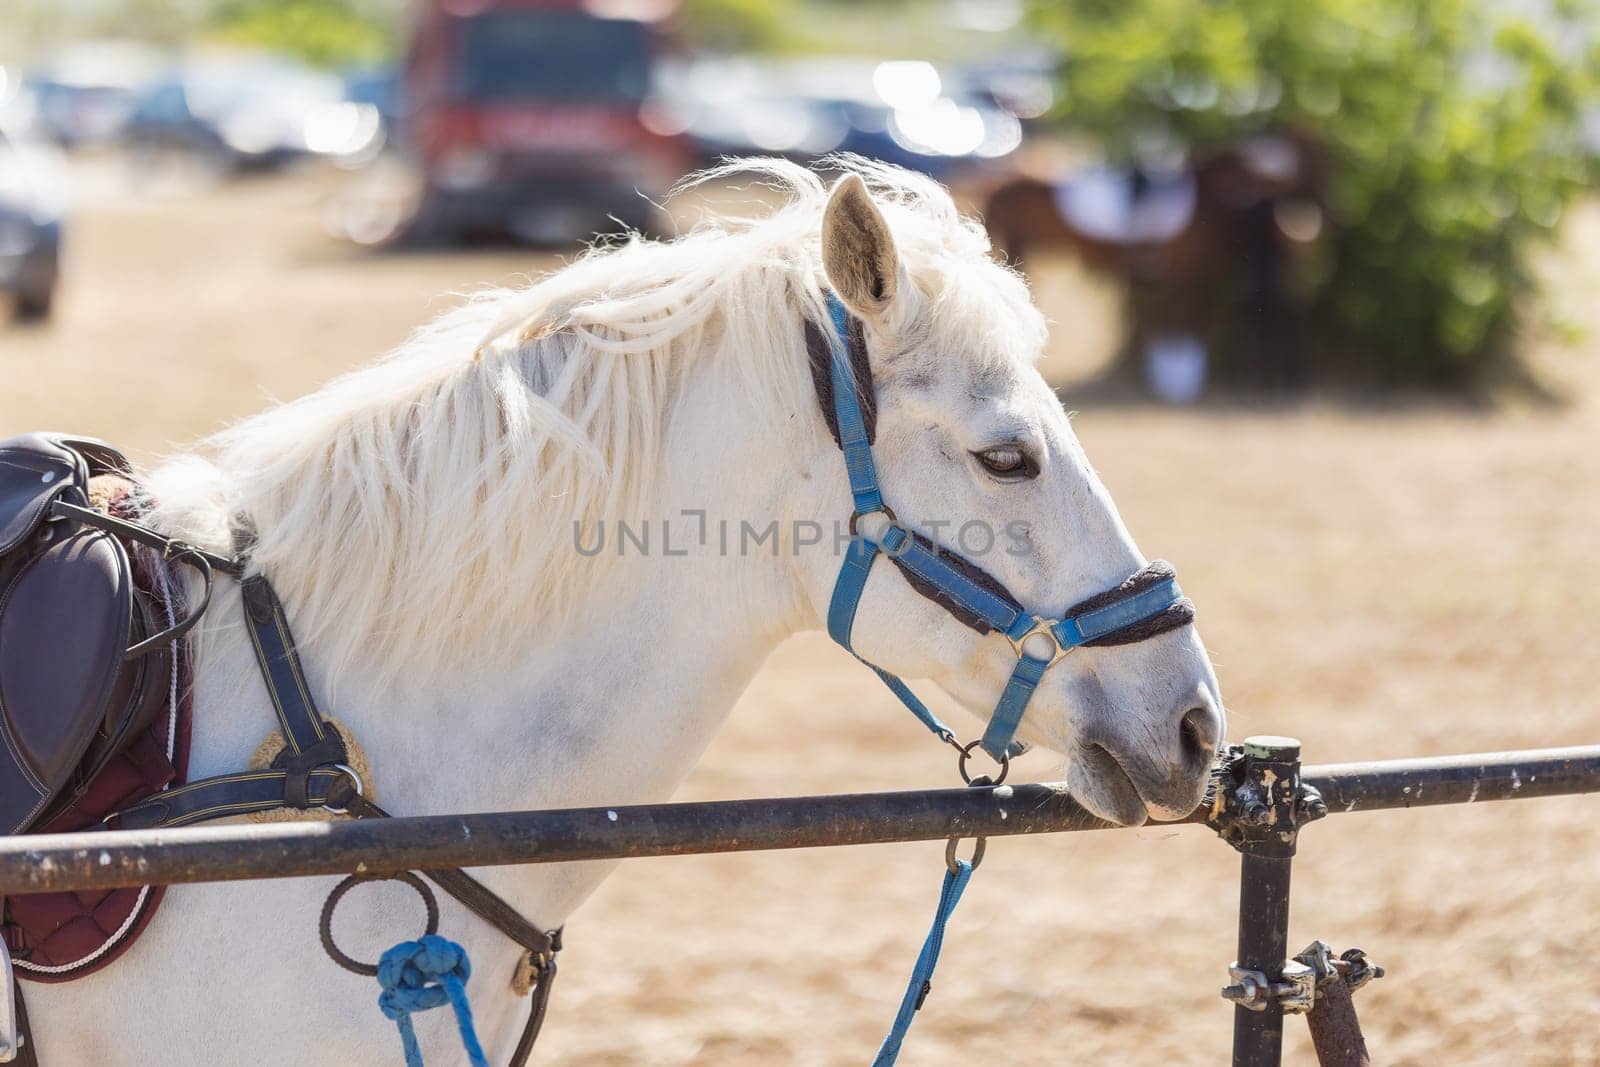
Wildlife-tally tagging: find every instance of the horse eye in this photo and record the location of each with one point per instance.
(1007, 462)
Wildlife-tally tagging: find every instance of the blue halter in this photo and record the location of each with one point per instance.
(1154, 604)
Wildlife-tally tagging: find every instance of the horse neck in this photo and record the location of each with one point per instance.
(612, 706)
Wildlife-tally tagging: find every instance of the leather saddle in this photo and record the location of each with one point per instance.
(84, 657)
(85, 671)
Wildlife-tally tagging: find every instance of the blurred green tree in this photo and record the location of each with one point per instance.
(736, 25)
(1455, 139)
(329, 33)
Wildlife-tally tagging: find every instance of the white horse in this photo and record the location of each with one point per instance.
(418, 519)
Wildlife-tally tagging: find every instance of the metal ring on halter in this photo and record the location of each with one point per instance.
(1046, 627)
(966, 754)
(326, 924)
(977, 853)
(883, 509)
(355, 780)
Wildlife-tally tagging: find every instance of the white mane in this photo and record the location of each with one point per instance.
(441, 482)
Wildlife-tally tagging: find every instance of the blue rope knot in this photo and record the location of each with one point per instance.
(423, 974)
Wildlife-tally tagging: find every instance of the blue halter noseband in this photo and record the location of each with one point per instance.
(1148, 603)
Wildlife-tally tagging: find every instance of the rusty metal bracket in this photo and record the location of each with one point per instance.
(1350, 967)
(1361, 970)
(1335, 1028)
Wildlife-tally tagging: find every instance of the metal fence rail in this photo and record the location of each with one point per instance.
(83, 861)
(1262, 798)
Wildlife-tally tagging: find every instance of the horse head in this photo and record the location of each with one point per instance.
(975, 453)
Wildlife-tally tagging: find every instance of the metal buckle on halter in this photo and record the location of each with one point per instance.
(355, 781)
(1046, 627)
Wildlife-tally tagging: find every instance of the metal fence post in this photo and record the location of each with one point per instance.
(1260, 807)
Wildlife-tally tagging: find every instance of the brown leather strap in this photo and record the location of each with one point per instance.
(538, 1001)
(329, 751)
(542, 945)
(27, 1054)
(486, 905)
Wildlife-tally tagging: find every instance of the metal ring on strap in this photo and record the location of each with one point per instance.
(979, 845)
(355, 780)
(884, 509)
(1041, 628)
(966, 754)
(326, 925)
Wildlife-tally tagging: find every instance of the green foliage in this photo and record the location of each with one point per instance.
(910, 29)
(328, 33)
(735, 25)
(1454, 130)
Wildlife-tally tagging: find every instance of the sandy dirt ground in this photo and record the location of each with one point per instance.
(1378, 583)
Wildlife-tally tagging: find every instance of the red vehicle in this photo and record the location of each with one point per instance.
(527, 116)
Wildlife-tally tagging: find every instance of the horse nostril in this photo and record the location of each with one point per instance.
(1197, 735)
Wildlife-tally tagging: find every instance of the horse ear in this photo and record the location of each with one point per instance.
(858, 251)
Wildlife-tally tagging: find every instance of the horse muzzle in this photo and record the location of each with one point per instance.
(1130, 770)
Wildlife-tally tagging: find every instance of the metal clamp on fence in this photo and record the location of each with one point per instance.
(1293, 991)
(1305, 981)
(1259, 803)
(1351, 968)
(1258, 807)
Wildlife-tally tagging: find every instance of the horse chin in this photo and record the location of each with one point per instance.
(1098, 782)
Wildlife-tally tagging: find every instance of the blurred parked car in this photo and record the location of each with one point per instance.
(87, 92)
(901, 112)
(30, 226)
(526, 116)
(353, 131)
(378, 88)
(232, 111)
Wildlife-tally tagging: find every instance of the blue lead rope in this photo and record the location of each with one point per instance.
(423, 974)
(955, 883)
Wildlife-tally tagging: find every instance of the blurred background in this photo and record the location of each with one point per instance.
(1323, 281)
(1275, 197)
